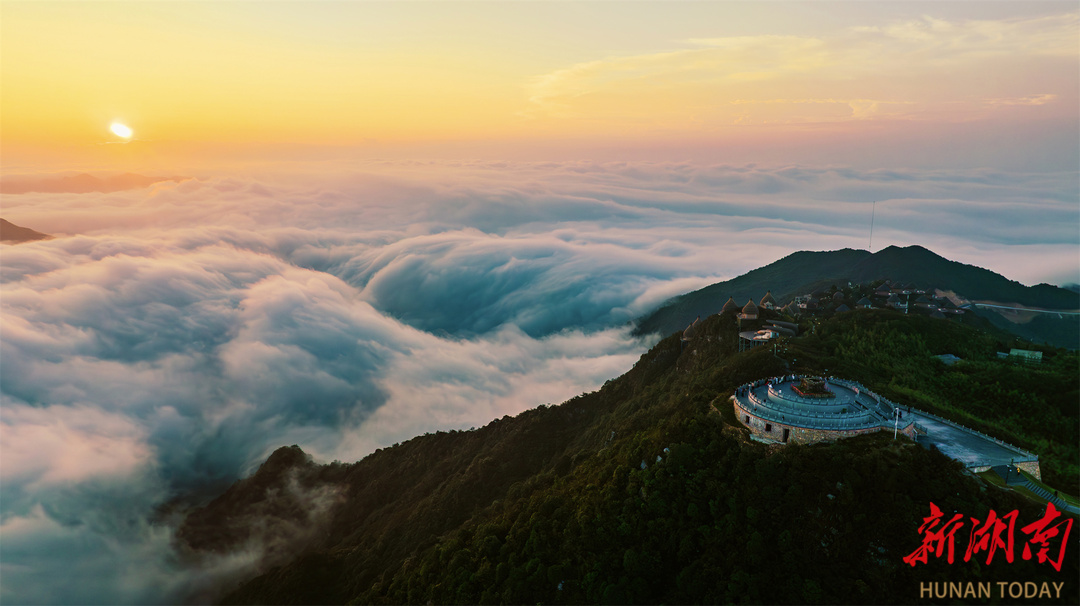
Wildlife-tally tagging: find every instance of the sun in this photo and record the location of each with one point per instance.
(120, 130)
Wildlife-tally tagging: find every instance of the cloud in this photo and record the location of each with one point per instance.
(78, 184)
(190, 329)
(58, 446)
(1029, 100)
(951, 41)
(924, 70)
(48, 561)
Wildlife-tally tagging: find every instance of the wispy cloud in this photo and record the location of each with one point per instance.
(911, 69)
(952, 41)
(1029, 100)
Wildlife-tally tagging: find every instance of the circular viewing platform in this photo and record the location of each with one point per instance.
(795, 408)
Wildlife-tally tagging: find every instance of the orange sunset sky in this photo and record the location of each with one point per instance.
(201, 83)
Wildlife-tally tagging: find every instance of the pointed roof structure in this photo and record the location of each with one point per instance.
(838, 296)
(937, 314)
(731, 305)
(864, 302)
(749, 311)
(842, 308)
(768, 301)
(690, 330)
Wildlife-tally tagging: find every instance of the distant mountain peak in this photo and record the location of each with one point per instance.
(11, 233)
(804, 272)
(81, 183)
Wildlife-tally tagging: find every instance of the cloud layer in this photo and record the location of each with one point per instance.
(169, 338)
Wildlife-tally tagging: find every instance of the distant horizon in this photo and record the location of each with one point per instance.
(898, 246)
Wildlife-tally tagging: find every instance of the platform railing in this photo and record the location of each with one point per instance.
(806, 421)
(889, 410)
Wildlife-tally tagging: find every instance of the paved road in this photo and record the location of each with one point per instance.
(1069, 312)
(968, 448)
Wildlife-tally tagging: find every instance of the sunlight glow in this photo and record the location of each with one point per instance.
(120, 130)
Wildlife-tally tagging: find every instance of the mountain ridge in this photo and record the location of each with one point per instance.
(81, 183)
(802, 272)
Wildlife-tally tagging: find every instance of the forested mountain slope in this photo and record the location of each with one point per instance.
(649, 491)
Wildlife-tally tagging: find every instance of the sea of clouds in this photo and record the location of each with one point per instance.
(172, 336)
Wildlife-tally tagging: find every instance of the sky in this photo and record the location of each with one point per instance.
(971, 84)
(395, 218)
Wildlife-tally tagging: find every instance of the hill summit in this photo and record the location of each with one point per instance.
(803, 272)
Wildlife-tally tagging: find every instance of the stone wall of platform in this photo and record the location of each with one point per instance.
(1032, 467)
(771, 430)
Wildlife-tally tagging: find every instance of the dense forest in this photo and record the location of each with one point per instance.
(649, 491)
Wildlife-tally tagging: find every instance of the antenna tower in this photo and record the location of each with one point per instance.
(873, 210)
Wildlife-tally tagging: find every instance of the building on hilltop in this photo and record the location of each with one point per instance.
(749, 311)
(789, 329)
(768, 302)
(749, 339)
(689, 332)
(950, 308)
(731, 305)
(1026, 356)
(805, 410)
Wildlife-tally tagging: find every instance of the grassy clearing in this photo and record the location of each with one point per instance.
(726, 410)
(992, 477)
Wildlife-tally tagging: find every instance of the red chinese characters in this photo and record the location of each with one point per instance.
(935, 541)
(992, 535)
(988, 536)
(1042, 532)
